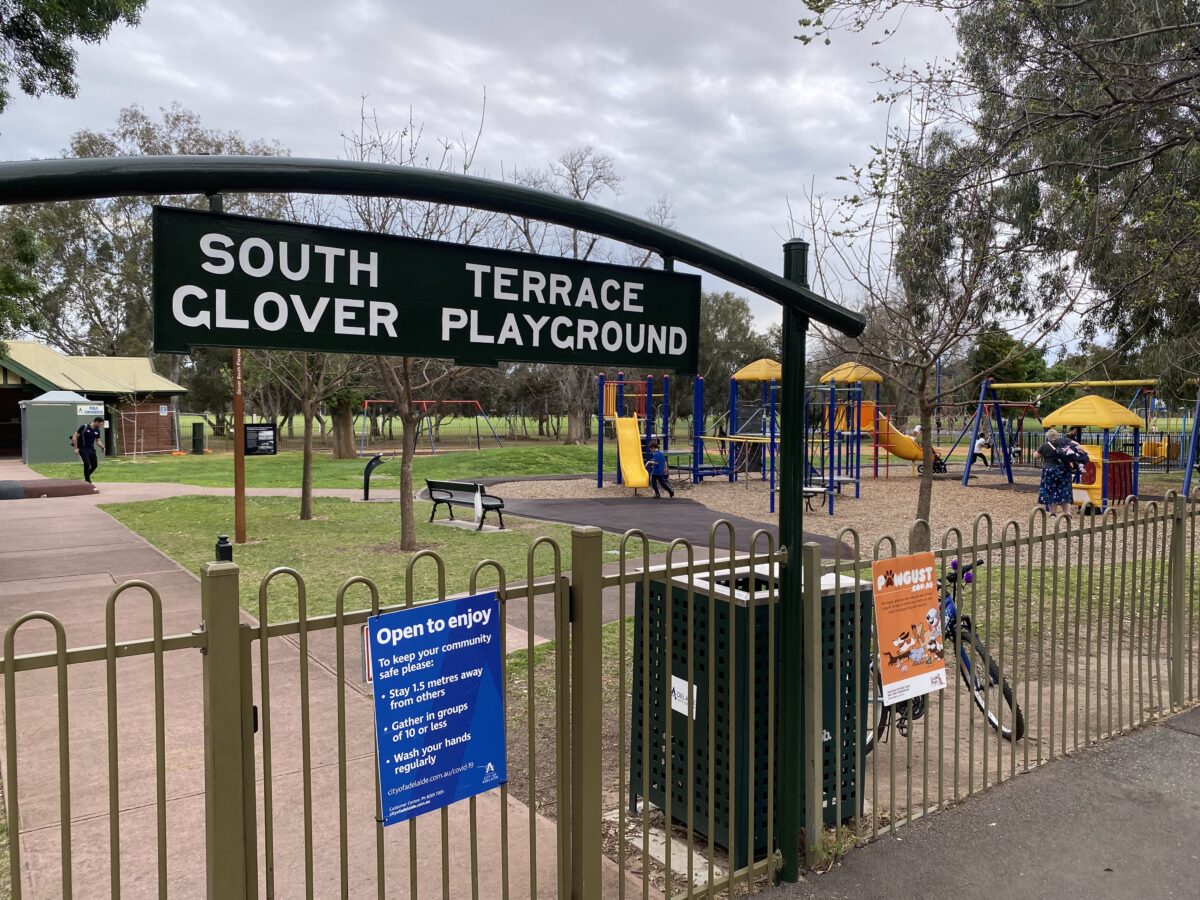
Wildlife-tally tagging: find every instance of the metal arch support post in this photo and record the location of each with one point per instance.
(600, 430)
(790, 674)
(983, 392)
(1191, 454)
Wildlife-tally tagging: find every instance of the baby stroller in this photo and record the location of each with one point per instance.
(939, 465)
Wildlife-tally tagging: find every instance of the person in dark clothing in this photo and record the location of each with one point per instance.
(85, 440)
(1055, 493)
(658, 471)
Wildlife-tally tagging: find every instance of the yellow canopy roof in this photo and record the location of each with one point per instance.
(852, 373)
(760, 370)
(1093, 412)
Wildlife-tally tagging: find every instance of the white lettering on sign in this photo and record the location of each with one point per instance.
(565, 333)
(271, 312)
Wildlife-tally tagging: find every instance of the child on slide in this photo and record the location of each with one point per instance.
(658, 471)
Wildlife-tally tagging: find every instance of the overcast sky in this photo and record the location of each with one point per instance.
(712, 104)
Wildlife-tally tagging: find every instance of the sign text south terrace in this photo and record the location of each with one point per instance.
(233, 281)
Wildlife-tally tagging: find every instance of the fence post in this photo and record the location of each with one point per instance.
(814, 714)
(1176, 662)
(229, 780)
(587, 562)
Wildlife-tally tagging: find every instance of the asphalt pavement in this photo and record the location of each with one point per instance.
(1119, 820)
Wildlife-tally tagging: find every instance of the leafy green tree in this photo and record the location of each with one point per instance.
(729, 340)
(1086, 113)
(18, 289)
(36, 38)
(93, 267)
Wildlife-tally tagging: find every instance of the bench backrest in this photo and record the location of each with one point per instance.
(454, 487)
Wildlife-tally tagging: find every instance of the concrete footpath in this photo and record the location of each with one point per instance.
(1119, 820)
(63, 556)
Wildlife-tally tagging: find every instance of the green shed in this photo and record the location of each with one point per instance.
(49, 420)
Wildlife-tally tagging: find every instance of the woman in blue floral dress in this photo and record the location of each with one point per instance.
(1056, 492)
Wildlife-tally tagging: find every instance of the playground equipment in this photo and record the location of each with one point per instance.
(1115, 477)
(631, 464)
(615, 398)
(989, 399)
(471, 410)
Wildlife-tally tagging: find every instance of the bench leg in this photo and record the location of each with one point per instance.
(501, 515)
(450, 507)
(432, 511)
(482, 519)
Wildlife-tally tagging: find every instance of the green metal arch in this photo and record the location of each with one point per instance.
(42, 181)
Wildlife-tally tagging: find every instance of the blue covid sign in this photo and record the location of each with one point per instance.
(439, 704)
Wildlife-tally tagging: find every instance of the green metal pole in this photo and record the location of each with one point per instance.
(814, 714)
(232, 866)
(791, 536)
(587, 562)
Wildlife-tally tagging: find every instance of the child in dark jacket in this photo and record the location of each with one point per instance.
(658, 471)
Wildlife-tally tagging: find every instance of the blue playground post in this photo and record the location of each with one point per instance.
(875, 432)
(1104, 481)
(983, 390)
(732, 429)
(771, 449)
(1191, 454)
(666, 413)
(829, 435)
(1137, 457)
(649, 409)
(697, 427)
(857, 406)
(600, 431)
(999, 419)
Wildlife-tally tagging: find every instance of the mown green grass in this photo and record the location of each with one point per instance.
(344, 539)
(216, 469)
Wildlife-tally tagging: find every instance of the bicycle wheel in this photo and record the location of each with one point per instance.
(988, 689)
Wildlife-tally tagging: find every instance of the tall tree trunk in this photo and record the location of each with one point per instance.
(306, 478)
(343, 431)
(408, 447)
(920, 536)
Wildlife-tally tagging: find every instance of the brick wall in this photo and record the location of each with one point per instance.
(142, 430)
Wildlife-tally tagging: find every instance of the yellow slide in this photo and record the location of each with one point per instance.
(897, 442)
(629, 445)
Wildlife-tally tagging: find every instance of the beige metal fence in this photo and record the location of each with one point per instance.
(642, 739)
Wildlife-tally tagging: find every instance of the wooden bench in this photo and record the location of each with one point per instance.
(463, 493)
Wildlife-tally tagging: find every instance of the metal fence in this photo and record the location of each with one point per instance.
(1071, 631)
(642, 739)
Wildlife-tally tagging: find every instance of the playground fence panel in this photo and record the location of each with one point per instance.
(1091, 624)
(648, 686)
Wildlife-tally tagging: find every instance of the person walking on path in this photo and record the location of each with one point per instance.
(84, 440)
(1055, 492)
(658, 471)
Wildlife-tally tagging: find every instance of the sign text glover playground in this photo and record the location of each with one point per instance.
(231, 281)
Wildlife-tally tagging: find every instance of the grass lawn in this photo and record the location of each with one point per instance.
(344, 539)
(216, 469)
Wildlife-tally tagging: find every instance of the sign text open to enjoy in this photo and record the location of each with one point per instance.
(232, 281)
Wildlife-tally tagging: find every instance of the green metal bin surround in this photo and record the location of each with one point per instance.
(735, 731)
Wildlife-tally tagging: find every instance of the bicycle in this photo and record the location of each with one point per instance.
(974, 660)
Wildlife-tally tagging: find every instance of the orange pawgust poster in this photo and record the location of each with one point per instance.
(908, 620)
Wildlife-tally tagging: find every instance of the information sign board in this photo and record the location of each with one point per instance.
(439, 704)
(259, 440)
(233, 281)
